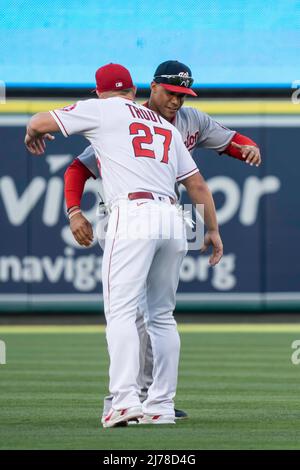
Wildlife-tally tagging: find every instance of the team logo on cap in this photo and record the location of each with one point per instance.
(119, 84)
(185, 79)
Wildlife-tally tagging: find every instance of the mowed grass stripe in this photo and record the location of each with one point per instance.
(241, 391)
(183, 328)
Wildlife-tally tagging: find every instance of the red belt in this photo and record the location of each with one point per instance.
(146, 195)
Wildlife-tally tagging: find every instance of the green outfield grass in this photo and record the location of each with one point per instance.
(237, 384)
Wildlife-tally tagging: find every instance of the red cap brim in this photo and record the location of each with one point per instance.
(178, 89)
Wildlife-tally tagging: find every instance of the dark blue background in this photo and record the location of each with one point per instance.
(266, 253)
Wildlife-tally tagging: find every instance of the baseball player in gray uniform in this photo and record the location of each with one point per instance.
(171, 83)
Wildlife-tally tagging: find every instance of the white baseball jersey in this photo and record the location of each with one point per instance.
(136, 149)
(197, 129)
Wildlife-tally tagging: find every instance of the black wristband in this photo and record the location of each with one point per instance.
(71, 208)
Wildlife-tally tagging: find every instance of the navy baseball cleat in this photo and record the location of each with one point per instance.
(179, 414)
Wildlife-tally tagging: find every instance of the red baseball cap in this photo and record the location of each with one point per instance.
(113, 77)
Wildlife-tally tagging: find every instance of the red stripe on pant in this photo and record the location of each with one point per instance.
(112, 248)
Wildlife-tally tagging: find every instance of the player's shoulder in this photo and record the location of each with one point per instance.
(89, 103)
(188, 112)
(170, 126)
(115, 102)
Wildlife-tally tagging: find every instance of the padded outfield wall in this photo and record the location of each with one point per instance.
(41, 267)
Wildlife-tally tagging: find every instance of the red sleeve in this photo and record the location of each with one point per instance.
(238, 139)
(75, 177)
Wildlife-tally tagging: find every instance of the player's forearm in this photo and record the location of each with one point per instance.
(200, 194)
(75, 178)
(40, 124)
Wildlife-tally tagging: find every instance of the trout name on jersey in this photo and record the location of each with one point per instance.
(145, 114)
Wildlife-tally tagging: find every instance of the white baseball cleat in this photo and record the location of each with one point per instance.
(121, 417)
(157, 419)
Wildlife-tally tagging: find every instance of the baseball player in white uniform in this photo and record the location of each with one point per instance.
(141, 156)
(171, 83)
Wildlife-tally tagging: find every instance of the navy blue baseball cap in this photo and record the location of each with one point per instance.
(174, 76)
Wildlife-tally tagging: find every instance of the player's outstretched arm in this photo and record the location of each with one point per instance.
(199, 193)
(245, 149)
(213, 135)
(38, 131)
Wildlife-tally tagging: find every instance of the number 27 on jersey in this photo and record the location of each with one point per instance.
(144, 136)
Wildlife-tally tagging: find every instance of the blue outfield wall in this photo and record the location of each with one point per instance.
(41, 267)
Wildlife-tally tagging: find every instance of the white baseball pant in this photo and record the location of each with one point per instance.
(150, 257)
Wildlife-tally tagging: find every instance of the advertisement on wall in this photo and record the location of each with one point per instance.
(42, 266)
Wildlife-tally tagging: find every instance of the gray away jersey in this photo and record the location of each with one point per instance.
(197, 129)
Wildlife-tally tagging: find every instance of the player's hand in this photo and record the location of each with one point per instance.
(250, 153)
(36, 144)
(82, 229)
(212, 237)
